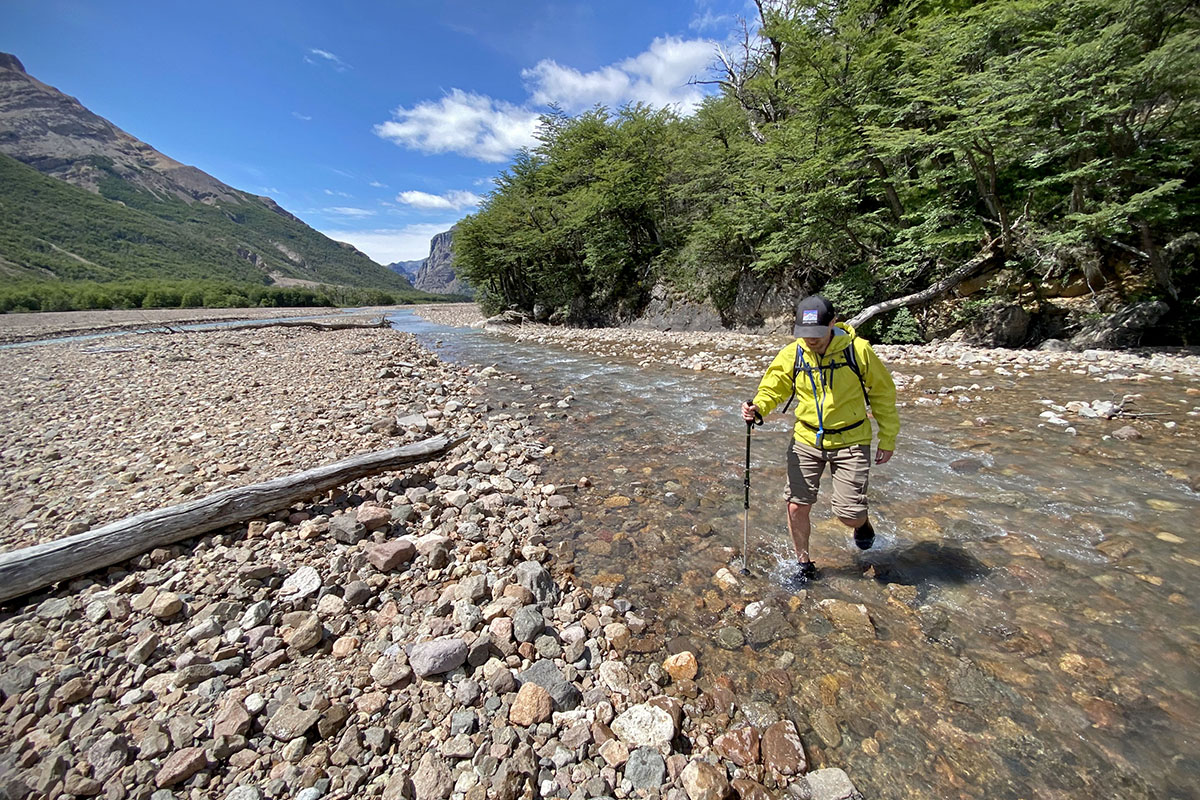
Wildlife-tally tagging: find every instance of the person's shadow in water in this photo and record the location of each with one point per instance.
(924, 562)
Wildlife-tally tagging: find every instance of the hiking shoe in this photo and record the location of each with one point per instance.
(864, 536)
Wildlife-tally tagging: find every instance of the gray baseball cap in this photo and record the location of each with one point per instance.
(813, 315)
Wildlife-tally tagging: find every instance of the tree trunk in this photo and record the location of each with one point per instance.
(32, 568)
(936, 290)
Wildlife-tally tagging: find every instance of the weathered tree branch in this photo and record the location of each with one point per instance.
(32, 568)
(936, 290)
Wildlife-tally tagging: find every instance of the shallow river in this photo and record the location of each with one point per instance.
(1033, 595)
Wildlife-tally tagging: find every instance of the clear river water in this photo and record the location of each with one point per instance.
(1033, 595)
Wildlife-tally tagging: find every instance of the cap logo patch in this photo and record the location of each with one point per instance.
(809, 316)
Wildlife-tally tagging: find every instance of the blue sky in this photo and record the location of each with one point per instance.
(378, 123)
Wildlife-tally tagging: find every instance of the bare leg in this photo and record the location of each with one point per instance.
(799, 526)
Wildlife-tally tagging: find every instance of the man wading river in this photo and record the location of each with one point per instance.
(833, 375)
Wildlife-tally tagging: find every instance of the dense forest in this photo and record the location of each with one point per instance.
(868, 149)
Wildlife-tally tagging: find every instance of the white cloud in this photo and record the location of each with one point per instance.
(302, 117)
(469, 124)
(487, 129)
(389, 245)
(709, 21)
(333, 193)
(450, 201)
(659, 77)
(377, 185)
(318, 56)
(344, 211)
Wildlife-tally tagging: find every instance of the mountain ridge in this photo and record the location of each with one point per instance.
(215, 231)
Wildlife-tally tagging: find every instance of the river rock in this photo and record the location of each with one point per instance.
(645, 726)
(615, 676)
(703, 781)
(232, 720)
(747, 789)
(1128, 433)
(566, 696)
(645, 768)
(301, 583)
(290, 721)
(307, 633)
(346, 529)
(533, 705)
(528, 623)
(851, 618)
(107, 756)
(730, 638)
(53, 608)
(390, 673)
(614, 752)
(437, 657)
(681, 666)
(432, 779)
(534, 577)
(782, 750)
(73, 691)
(387, 556)
(180, 765)
(373, 517)
(166, 605)
(831, 784)
(739, 745)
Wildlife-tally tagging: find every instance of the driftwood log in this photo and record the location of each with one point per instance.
(291, 323)
(32, 568)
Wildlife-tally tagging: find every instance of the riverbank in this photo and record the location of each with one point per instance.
(933, 375)
(412, 634)
(747, 355)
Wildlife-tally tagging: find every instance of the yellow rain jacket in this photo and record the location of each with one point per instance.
(837, 406)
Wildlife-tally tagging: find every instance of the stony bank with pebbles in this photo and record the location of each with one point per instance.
(410, 635)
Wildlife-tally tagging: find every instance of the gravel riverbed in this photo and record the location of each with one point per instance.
(409, 635)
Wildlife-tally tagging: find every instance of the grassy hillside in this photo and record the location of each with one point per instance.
(50, 229)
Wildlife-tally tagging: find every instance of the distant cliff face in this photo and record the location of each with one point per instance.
(408, 269)
(437, 271)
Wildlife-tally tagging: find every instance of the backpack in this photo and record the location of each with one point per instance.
(851, 362)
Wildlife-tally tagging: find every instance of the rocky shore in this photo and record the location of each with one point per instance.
(411, 635)
(748, 354)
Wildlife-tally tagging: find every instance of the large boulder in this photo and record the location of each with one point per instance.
(505, 319)
(998, 326)
(1124, 328)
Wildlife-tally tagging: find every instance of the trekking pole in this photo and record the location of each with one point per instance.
(746, 484)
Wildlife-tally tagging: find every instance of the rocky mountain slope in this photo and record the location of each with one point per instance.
(140, 202)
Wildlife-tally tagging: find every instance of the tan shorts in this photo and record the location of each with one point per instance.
(848, 466)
